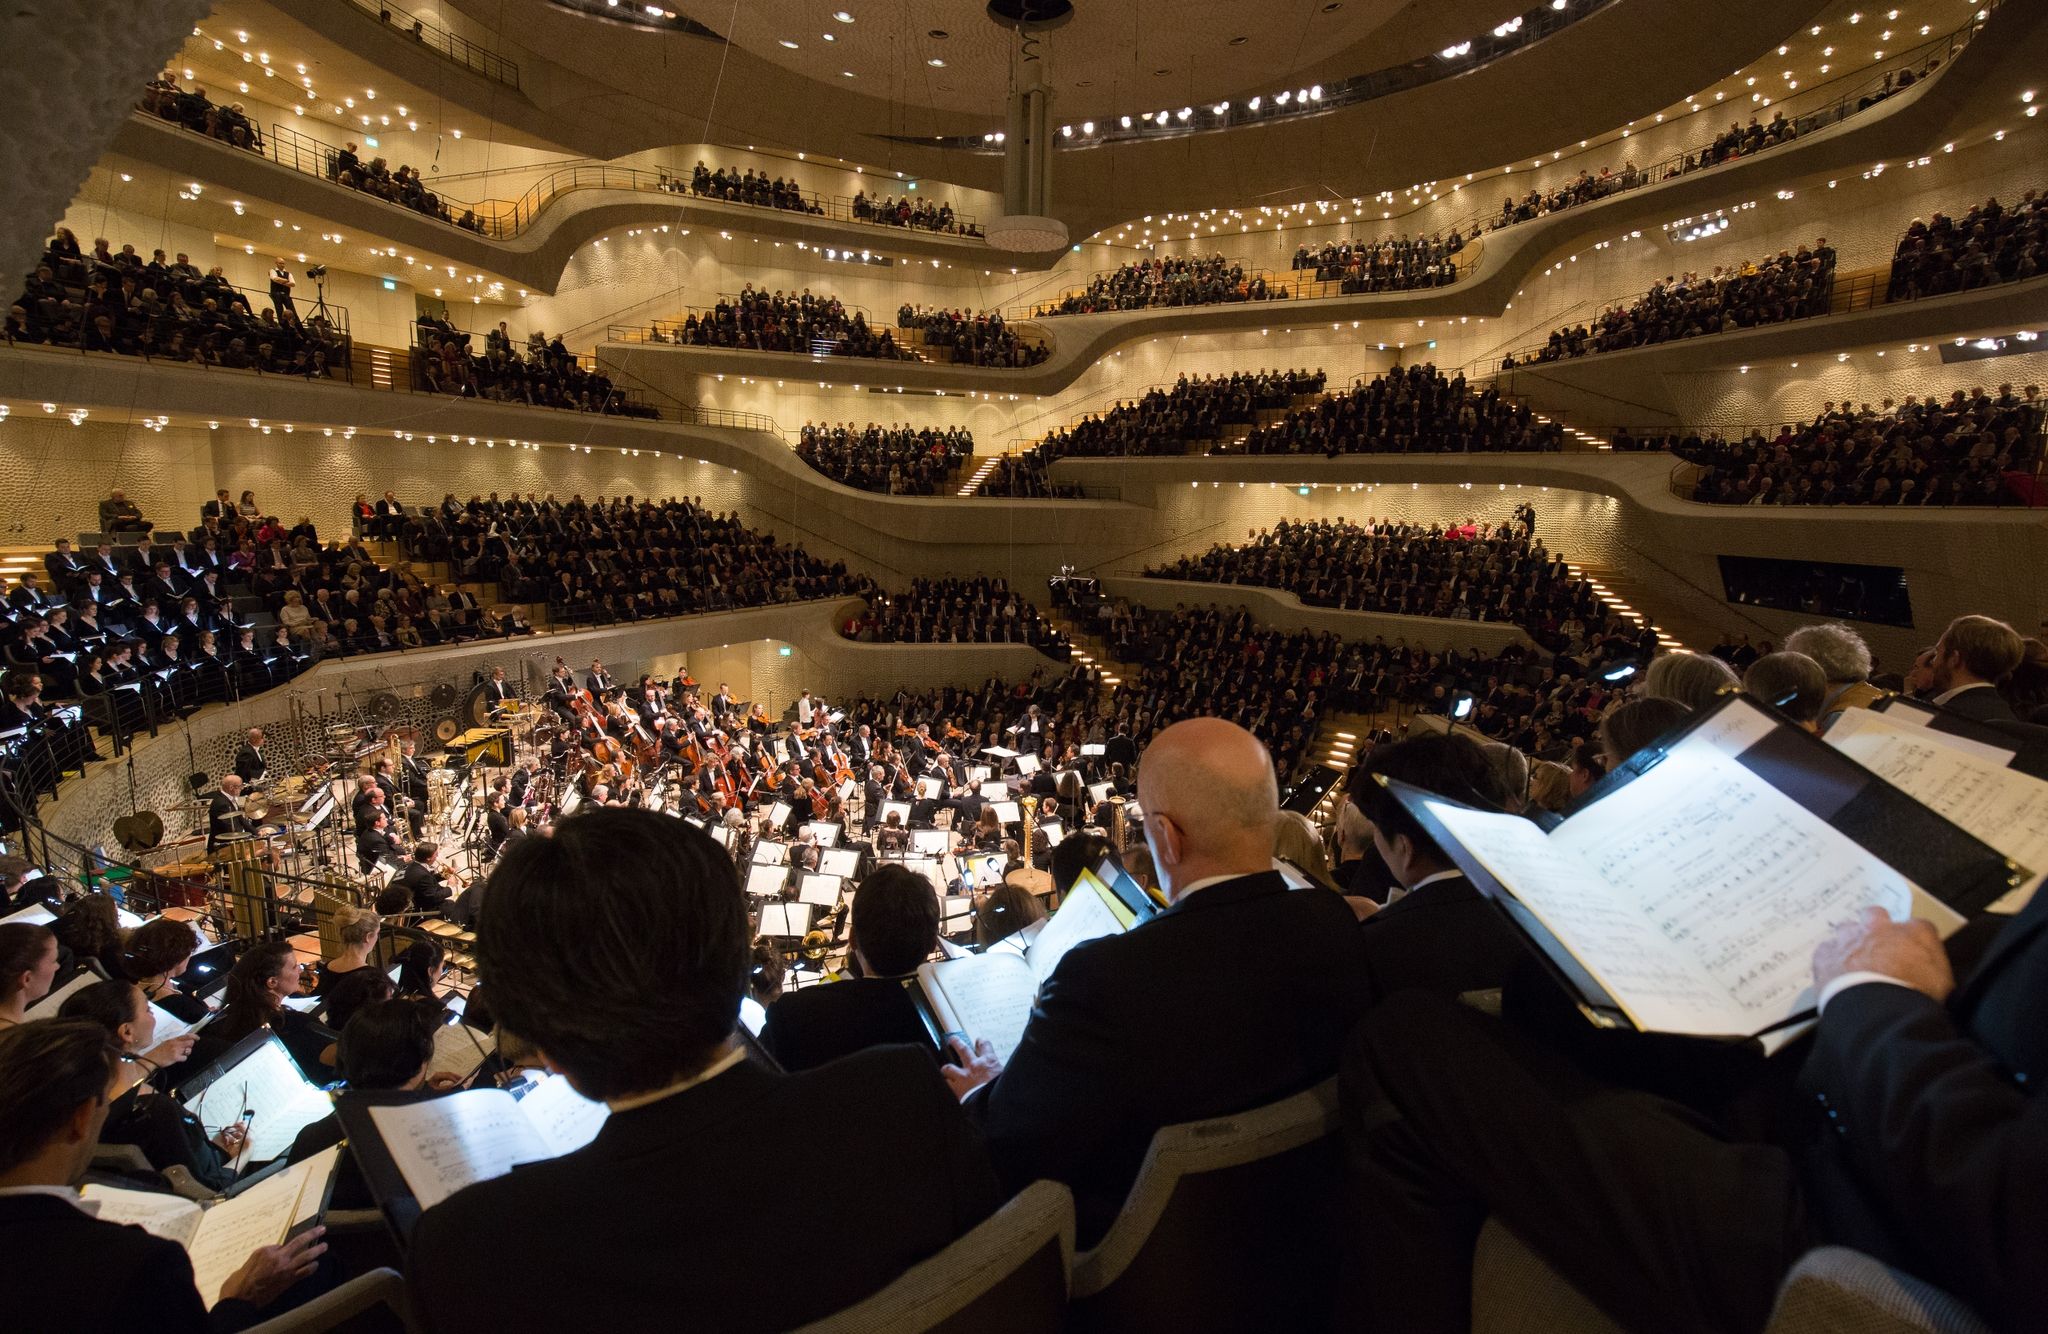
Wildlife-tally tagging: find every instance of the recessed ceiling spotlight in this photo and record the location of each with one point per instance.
(1239, 41)
(786, 42)
(842, 16)
(936, 63)
(846, 74)
(938, 34)
(1158, 73)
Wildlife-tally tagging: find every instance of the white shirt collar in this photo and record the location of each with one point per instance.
(1452, 874)
(1947, 695)
(732, 1057)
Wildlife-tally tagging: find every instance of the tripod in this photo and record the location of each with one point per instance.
(320, 310)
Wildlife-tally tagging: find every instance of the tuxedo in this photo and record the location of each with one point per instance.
(1442, 937)
(497, 693)
(64, 569)
(1924, 1142)
(96, 1276)
(1238, 995)
(1983, 703)
(249, 764)
(225, 821)
(644, 1211)
(374, 846)
(599, 683)
(809, 1027)
(429, 893)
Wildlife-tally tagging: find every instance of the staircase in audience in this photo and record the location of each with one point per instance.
(15, 560)
(385, 551)
(1576, 441)
(980, 474)
(1679, 624)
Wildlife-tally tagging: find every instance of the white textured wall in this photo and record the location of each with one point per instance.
(54, 475)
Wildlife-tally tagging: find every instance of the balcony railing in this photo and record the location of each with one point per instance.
(461, 50)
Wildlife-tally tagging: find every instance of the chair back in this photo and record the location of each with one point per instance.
(1231, 1225)
(1007, 1276)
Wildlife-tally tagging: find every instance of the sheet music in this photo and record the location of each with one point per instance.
(169, 1025)
(262, 1215)
(172, 1217)
(459, 1050)
(268, 1083)
(1961, 780)
(1082, 916)
(444, 1144)
(1739, 881)
(1695, 894)
(565, 1118)
(984, 996)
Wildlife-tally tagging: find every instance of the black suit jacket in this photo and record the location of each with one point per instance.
(640, 1223)
(1238, 995)
(1983, 703)
(91, 1277)
(807, 1028)
(1934, 1151)
(1444, 937)
(249, 764)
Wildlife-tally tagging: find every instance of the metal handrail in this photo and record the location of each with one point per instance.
(458, 49)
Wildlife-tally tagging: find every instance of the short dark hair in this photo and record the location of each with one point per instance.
(349, 992)
(1007, 910)
(1446, 763)
(386, 1042)
(895, 920)
(47, 1070)
(1077, 853)
(619, 947)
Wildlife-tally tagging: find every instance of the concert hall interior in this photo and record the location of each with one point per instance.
(1082, 608)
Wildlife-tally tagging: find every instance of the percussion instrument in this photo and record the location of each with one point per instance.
(178, 884)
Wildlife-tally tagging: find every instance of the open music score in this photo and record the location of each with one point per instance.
(268, 1083)
(443, 1144)
(219, 1239)
(990, 995)
(1964, 780)
(1695, 894)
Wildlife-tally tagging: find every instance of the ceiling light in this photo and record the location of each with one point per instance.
(936, 63)
(784, 41)
(842, 16)
(846, 74)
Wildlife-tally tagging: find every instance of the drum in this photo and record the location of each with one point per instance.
(179, 884)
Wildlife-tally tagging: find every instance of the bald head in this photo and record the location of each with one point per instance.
(1210, 802)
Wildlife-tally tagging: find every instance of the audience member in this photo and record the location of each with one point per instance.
(191, 108)
(1844, 660)
(1415, 410)
(1167, 281)
(1791, 682)
(958, 611)
(1988, 245)
(1390, 264)
(1695, 680)
(1971, 449)
(546, 375)
(1791, 285)
(802, 322)
(979, 339)
(896, 460)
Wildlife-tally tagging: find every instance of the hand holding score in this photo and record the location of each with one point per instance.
(269, 1270)
(1908, 952)
(973, 1069)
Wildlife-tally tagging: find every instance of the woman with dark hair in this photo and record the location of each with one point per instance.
(168, 1135)
(988, 831)
(155, 956)
(90, 927)
(351, 992)
(257, 986)
(28, 964)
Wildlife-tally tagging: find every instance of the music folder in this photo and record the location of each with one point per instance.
(218, 1238)
(990, 995)
(1686, 893)
(416, 1152)
(256, 1079)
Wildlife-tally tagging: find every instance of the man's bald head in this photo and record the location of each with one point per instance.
(1210, 801)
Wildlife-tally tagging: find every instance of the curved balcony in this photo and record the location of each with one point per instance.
(529, 239)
